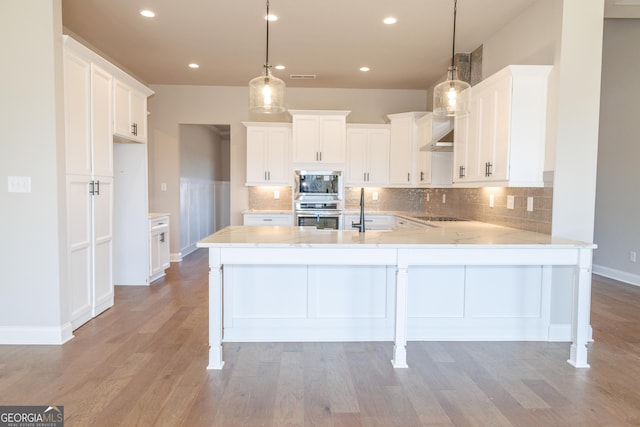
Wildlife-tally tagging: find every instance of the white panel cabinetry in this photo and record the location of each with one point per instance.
(158, 246)
(130, 112)
(268, 158)
(89, 185)
(367, 155)
(319, 137)
(502, 141)
(404, 154)
(267, 219)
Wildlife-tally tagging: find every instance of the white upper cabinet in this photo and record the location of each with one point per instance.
(502, 141)
(367, 155)
(130, 112)
(404, 168)
(268, 158)
(319, 137)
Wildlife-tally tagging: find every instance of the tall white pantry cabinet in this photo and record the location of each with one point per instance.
(90, 181)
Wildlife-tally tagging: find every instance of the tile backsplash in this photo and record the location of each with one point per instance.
(467, 203)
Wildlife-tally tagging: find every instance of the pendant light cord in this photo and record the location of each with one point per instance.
(453, 49)
(266, 64)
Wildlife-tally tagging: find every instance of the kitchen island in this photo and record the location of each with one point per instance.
(454, 281)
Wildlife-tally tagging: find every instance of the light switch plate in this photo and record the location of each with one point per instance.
(374, 195)
(510, 202)
(492, 200)
(19, 184)
(276, 194)
(530, 204)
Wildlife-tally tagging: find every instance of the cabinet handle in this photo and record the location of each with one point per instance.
(317, 156)
(267, 219)
(408, 176)
(368, 179)
(92, 188)
(134, 129)
(321, 156)
(421, 176)
(161, 237)
(97, 193)
(488, 169)
(269, 175)
(462, 172)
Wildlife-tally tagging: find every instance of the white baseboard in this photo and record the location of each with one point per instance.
(176, 257)
(562, 333)
(28, 335)
(612, 273)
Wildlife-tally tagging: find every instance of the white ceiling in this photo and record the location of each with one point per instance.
(329, 38)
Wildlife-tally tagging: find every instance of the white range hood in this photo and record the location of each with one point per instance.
(441, 135)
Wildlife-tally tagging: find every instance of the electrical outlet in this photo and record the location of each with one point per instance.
(444, 198)
(374, 195)
(632, 256)
(428, 196)
(163, 186)
(492, 200)
(510, 202)
(530, 204)
(276, 194)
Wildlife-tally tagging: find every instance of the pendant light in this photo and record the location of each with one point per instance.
(266, 92)
(451, 97)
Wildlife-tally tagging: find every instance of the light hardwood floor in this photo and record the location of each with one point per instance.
(142, 363)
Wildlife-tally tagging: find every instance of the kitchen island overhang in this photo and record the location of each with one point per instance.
(464, 244)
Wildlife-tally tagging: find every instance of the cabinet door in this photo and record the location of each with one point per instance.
(256, 155)
(165, 259)
(461, 166)
(103, 244)
(400, 151)
(138, 115)
(332, 139)
(378, 154)
(80, 248)
(277, 157)
(357, 147)
(101, 121)
(77, 112)
(495, 149)
(305, 139)
(121, 123)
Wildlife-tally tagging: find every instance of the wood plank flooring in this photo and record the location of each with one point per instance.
(142, 363)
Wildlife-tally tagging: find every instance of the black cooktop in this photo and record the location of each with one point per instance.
(439, 218)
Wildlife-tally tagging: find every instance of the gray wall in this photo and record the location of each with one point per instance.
(617, 231)
(172, 106)
(33, 290)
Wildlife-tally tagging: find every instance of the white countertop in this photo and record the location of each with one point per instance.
(458, 234)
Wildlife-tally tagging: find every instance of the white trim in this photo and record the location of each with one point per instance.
(34, 335)
(612, 273)
(177, 257)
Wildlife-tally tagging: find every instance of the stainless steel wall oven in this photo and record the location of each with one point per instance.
(317, 199)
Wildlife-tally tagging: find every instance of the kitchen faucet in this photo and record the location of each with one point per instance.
(360, 225)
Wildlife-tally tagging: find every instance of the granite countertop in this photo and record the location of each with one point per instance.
(458, 234)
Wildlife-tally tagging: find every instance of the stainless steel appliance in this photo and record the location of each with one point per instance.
(317, 199)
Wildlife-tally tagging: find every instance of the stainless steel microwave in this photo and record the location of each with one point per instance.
(318, 185)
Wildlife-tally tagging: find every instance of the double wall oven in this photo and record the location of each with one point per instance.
(318, 198)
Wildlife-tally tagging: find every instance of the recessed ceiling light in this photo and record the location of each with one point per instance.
(271, 17)
(147, 13)
(364, 69)
(389, 20)
(194, 65)
(280, 67)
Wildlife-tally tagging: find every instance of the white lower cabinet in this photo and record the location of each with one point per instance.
(267, 219)
(90, 246)
(342, 303)
(158, 246)
(371, 221)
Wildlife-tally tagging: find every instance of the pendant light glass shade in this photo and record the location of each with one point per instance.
(451, 97)
(266, 94)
